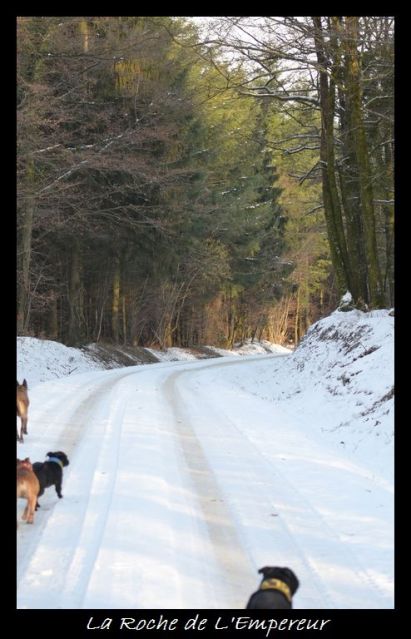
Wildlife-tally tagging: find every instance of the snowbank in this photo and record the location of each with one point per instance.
(41, 360)
(340, 381)
(172, 354)
(250, 347)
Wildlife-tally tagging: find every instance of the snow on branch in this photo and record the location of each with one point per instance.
(302, 147)
(265, 93)
(108, 142)
(47, 148)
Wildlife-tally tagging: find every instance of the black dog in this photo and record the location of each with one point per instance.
(50, 473)
(276, 589)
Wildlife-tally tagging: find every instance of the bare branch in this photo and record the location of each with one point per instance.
(262, 92)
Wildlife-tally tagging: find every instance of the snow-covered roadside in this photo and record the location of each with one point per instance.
(339, 384)
(41, 360)
(253, 348)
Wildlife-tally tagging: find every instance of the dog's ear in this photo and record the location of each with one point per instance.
(24, 383)
(27, 460)
(265, 570)
(50, 455)
(292, 579)
(64, 459)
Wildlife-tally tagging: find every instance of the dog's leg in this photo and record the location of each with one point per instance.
(58, 489)
(31, 505)
(20, 437)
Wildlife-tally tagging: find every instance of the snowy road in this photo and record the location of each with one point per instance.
(181, 484)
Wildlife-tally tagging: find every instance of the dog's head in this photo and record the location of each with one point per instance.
(276, 589)
(283, 574)
(61, 456)
(24, 463)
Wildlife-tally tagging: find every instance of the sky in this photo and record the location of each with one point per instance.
(203, 471)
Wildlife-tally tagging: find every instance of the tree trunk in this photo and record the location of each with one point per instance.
(297, 319)
(388, 210)
(332, 207)
(356, 123)
(348, 174)
(115, 305)
(75, 296)
(52, 323)
(124, 320)
(24, 259)
(84, 30)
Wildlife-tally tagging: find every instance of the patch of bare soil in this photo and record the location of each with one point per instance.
(115, 356)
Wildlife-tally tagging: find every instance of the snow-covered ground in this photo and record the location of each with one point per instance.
(187, 476)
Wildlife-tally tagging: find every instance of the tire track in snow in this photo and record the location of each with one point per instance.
(237, 577)
(99, 498)
(151, 529)
(257, 501)
(174, 542)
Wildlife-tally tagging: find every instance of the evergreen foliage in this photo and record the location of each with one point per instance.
(155, 204)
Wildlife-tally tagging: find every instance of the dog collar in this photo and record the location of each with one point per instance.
(56, 460)
(276, 584)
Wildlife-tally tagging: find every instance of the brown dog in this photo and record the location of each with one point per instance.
(22, 408)
(27, 487)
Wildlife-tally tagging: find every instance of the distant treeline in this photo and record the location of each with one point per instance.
(176, 188)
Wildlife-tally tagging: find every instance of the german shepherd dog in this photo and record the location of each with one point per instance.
(50, 472)
(27, 487)
(22, 408)
(276, 589)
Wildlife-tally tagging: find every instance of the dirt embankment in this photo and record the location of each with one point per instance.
(114, 356)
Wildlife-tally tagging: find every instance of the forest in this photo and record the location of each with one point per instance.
(184, 182)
